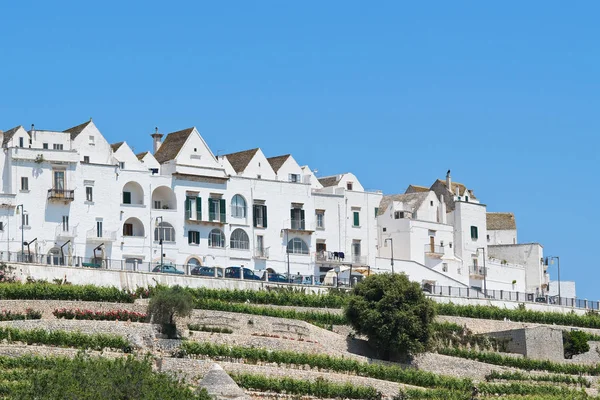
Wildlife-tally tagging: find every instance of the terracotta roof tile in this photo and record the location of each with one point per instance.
(412, 200)
(173, 143)
(277, 162)
(9, 135)
(501, 221)
(459, 188)
(116, 146)
(328, 181)
(240, 160)
(141, 155)
(416, 189)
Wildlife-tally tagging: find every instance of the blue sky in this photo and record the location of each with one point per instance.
(506, 95)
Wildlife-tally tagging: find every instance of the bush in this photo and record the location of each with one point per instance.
(49, 291)
(113, 315)
(519, 376)
(15, 316)
(168, 303)
(392, 312)
(575, 342)
(79, 340)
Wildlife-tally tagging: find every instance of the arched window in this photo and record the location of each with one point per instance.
(297, 246)
(239, 240)
(238, 207)
(216, 238)
(164, 231)
(194, 262)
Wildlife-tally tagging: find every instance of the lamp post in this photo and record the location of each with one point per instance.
(392, 247)
(287, 253)
(22, 230)
(557, 258)
(160, 240)
(484, 272)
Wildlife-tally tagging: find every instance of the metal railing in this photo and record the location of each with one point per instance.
(434, 249)
(298, 224)
(521, 297)
(104, 234)
(61, 194)
(261, 252)
(477, 270)
(71, 231)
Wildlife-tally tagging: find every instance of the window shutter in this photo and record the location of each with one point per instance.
(188, 208)
(356, 219)
(254, 215)
(190, 237)
(302, 222)
(264, 216)
(198, 208)
(222, 209)
(376, 211)
(126, 197)
(212, 209)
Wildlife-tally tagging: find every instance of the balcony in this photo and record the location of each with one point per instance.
(331, 257)
(104, 235)
(299, 226)
(61, 195)
(359, 260)
(432, 250)
(69, 232)
(477, 272)
(261, 253)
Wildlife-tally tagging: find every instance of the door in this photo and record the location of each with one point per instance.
(59, 181)
(98, 228)
(260, 243)
(356, 252)
(431, 244)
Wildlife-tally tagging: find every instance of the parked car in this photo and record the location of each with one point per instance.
(277, 278)
(167, 269)
(206, 271)
(304, 280)
(234, 272)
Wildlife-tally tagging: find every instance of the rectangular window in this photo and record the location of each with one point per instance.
(89, 195)
(21, 142)
(356, 221)
(1, 226)
(25, 219)
(99, 229)
(349, 185)
(127, 229)
(260, 216)
(24, 183)
(92, 142)
(45, 146)
(59, 181)
(57, 146)
(376, 211)
(297, 218)
(295, 178)
(157, 205)
(126, 197)
(86, 159)
(216, 210)
(193, 237)
(65, 223)
(474, 233)
(320, 219)
(121, 165)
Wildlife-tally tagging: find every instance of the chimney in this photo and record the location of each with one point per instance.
(449, 181)
(156, 138)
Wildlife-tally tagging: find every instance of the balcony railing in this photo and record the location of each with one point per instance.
(95, 234)
(61, 194)
(332, 256)
(477, 272)
(359, 260)
(434, 250)
(261, 253)
(63, 231)
(298, 224)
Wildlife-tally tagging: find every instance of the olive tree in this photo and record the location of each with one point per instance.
(393, 313)
(167, 304)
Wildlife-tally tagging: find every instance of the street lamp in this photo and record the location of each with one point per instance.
(160, 239)
(484, 272)
(392, 246)
(551, 259)
(22, 230)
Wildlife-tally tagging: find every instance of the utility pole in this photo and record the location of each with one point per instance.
(484, 272)
(160, 239)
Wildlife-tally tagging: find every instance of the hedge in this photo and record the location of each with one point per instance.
(320, 388)
(379, 371)
(519, 376)
(98, 341)
(16, 316)
(49, 291)
(522, 363)
(111, 315)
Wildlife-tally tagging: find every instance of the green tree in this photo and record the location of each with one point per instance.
(168, 303)
(575, 342)
(393, 313)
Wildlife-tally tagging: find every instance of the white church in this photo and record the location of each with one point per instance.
(72, 198)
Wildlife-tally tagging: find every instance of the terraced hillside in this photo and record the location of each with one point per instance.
(276, 344)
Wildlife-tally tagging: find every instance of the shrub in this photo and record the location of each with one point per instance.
(519, 376)
(79, 340)
(392, 312)
(575, 342)
(204, 328)
(49, 291)
(112, 315)
(168, 303)
(15, 316)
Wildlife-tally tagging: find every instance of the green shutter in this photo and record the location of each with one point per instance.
(356, 219)
(254, 215)
(188, 208)
(376, 211)
(212, 209)
(474, 233)
(302, 221)
(126, 197)
(198, 208)
(264, 216)
(222, 210)
(189, 236)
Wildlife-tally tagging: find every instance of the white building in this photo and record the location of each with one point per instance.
(86, 201)
(76, 199)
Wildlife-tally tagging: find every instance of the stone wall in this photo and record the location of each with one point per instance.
(538, 343)
(515, 340)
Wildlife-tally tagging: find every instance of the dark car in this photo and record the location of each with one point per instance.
(167, 269)
(234, 272)
(206, 271)
(277, 278)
